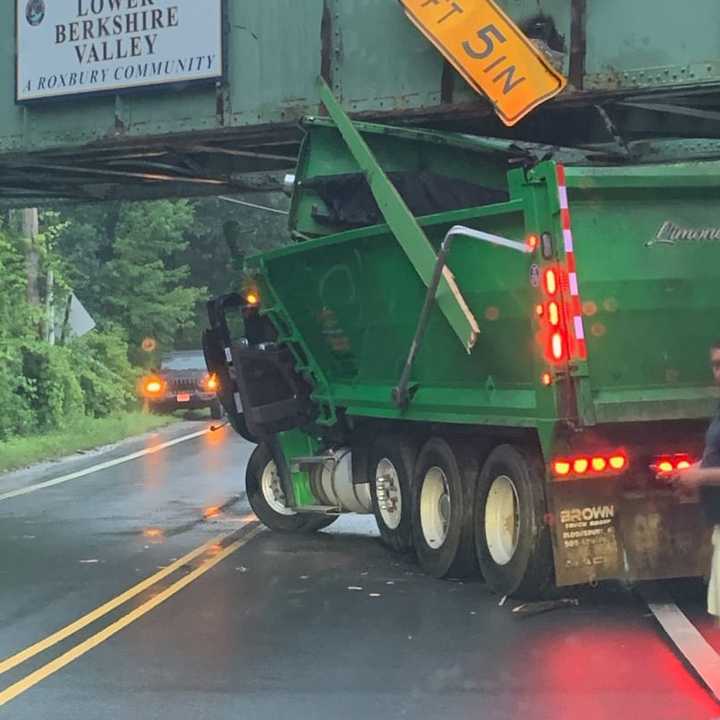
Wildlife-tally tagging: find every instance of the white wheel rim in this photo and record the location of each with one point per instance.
(502, 520)
(435, 507)
(389, 494)
(272, 490)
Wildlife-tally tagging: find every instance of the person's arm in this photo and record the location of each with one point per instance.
(696, 476)
(709, 476)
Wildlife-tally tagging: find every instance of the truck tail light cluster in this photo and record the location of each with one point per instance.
(589, 465)
(551, 317)
(669, 463)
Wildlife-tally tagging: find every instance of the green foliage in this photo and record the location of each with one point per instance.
(87, 433)
(105, 375)
(45, 387)
(16, 414)
(15, 315)
(15, 322)
(141, 270)
(134, 277)
(56, 395)
(222, 235)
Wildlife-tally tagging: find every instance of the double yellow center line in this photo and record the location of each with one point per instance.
(221, 547)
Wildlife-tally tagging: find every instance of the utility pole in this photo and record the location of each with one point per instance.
(26, 222)
(50, 307)
(30, 231)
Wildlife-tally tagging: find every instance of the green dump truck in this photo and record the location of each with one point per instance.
(492, 346)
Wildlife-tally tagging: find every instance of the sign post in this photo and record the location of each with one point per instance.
(490, 52)
(77, 47)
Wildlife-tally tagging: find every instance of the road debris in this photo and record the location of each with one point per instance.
(537, 608)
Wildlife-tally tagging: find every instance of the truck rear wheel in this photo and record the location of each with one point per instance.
(266, 498)
(445, 478)
(392, 459)
(511, 538)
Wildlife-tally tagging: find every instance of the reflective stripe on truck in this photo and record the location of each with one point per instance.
(578, 347)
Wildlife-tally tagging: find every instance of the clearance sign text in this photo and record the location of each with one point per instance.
(490, 52)
(68, 47)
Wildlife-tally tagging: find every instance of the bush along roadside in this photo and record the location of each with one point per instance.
(45, 387)
(128, 271)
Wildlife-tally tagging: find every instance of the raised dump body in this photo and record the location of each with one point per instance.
(643, 245)
(533, 447)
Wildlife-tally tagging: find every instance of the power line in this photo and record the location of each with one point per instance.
(254, 206)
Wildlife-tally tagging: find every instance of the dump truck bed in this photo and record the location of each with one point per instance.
(648, 262)
(642, 245)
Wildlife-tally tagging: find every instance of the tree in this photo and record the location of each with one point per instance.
(221, 237)
(127, 269)
(145, 266)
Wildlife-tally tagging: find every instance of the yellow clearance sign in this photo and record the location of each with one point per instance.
(490, 52)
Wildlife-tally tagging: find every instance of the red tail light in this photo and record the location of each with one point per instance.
(669, 463)
(599, 464)
(551, 283)
(582, 465)
(557, 346)
(554, 314)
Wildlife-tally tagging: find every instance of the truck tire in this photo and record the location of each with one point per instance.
(512, 540)
(267, 500)
(217, 410)
(444, 484)
(391, 463)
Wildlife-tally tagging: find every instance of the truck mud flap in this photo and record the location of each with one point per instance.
(260, 389)
(275, 398)
(602, 533)
(215, 341)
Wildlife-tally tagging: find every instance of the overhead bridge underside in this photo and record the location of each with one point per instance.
(147, 169)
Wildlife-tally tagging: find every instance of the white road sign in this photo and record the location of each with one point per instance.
(69, 47)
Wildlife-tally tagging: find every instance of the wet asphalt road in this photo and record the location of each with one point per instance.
(328, 626)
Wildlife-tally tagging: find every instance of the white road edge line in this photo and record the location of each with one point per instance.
(101, 466)
(700, 655)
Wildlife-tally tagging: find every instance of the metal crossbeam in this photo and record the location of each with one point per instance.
(404, 226)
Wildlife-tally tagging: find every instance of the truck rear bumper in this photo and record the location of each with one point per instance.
(601, 531)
